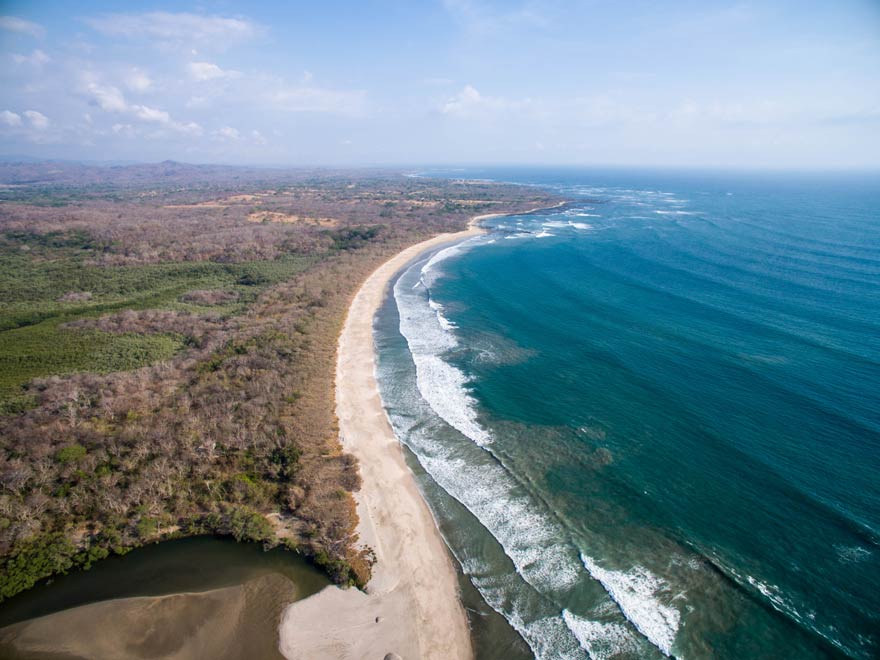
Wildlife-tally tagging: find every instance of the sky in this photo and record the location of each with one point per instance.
(771, 84)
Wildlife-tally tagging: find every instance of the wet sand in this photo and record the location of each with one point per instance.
(230, 623)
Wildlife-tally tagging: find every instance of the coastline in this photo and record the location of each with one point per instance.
(411, 606)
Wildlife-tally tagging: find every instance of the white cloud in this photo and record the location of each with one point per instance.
(203, 71)
(189, 128)
(265, 92)
(10, 118)
(138, 81)
(37, 58)
(258, 137)
(123, 129)
(111, 99)
(229, 133)
(469, 103)
(37, 119)
(176, 28)
(151, 114)
(467, 99)
(15, 24)
(107, 97)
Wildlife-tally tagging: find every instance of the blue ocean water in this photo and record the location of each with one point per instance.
(649, 421)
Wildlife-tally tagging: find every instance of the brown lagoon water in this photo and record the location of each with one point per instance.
(184, 597)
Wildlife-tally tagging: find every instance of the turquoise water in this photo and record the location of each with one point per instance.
(649, 422)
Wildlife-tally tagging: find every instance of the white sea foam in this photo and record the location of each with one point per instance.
(443, 386)
(547, 635)
(534, 544)
(852, 554)
(543, 234)
(559, 224)
(774, 594)
(676, 212)
(636, 592)
(444, 322)
(601, 641)
(428, 332)
(429, 271)
(537, 546)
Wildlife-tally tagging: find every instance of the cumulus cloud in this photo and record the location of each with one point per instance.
(107, 97)
(15, 24)
(10, 118)
(37, 119)
(37, 58)
(469, 103)
(203, 71)
(467, 99)
(146, 113)
(111, 99)
(176, 28)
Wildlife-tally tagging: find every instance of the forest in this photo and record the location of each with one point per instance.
(167, 351)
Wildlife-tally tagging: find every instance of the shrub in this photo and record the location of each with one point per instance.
(33, 560)
(70, 453)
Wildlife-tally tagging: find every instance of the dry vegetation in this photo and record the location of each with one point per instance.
(168, 362)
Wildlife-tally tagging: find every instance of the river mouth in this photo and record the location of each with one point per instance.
(160, 599)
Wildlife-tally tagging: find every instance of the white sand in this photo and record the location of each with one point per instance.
(414, 589)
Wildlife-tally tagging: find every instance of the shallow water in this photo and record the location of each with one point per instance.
(195, 564)
(649, 422)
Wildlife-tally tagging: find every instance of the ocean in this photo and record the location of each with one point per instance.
(648, 422)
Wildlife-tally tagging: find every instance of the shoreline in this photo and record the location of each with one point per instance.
(412, 606)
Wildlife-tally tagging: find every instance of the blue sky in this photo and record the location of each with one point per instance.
(730, 84)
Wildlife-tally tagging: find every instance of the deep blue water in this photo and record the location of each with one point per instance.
(649, 422)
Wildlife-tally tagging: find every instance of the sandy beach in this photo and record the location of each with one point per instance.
(411, 606)
(231, 622)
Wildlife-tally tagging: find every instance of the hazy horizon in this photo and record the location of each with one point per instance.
(728, 85)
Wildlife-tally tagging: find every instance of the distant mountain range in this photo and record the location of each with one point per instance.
(24, 170)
